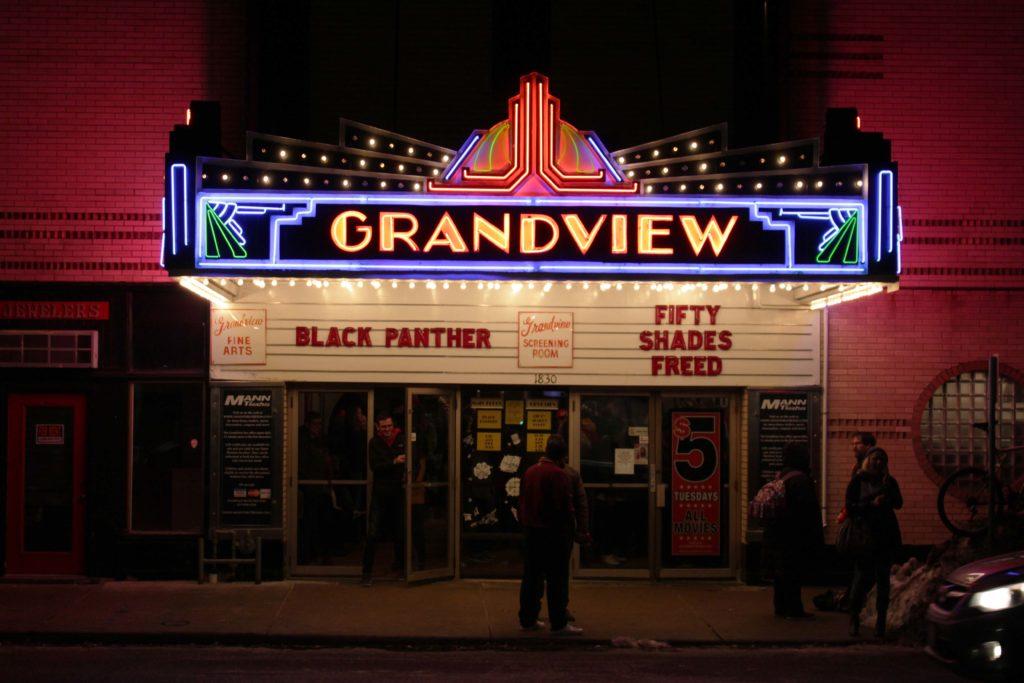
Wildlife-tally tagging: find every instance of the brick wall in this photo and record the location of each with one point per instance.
(90, 91)
(943, 81)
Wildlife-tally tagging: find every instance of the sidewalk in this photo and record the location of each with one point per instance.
(459, 613)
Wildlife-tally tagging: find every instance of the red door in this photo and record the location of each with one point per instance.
(45, 484)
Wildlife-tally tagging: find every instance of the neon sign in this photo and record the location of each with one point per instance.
(532, 195)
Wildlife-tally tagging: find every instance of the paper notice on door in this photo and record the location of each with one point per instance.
(537, 443)
(513, 412)
(488, 441)
(625, 460)
(641, 454)
(539, 420)
(638, 431)
(488, 419)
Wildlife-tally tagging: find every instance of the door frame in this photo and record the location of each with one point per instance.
(441, 573)
(733, 414)
(291, 472)
(19, 561)
(575, 407)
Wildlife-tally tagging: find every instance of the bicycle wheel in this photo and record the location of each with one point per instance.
(963, 501)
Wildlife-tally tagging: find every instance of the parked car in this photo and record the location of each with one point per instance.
(977, 621)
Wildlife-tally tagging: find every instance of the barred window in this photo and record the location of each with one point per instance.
(948, 433)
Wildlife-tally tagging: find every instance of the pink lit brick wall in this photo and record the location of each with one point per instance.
(943, 81)
(90, 91)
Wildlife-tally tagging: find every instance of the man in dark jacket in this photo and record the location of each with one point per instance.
(387, 504)
(796, 536)
(546, 513)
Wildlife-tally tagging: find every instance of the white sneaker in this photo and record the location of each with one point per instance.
(567, 630)
(536, 626)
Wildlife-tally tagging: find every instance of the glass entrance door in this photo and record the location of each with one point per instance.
(613, 440)
(693, 491)
(331, 493)
(430, 553)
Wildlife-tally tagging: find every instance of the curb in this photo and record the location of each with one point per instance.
(440, 644)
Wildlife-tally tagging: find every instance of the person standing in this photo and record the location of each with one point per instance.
(387, 503)
(874, 496)
(795, 537)
(862, 442)
(546, 513)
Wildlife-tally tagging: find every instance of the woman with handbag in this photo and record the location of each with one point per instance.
(873, 534)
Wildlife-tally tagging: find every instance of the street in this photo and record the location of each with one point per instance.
(854, 663)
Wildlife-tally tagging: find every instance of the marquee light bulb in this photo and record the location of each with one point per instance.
(416, 186)
(372, 142)
(266, 179)
(434, 171)
(703, 166)
(719, 187)
(283, 154)
(693, 145)
(444, 158)
(394, 284)
(225, 177)
(446, 285)
(547, 286)
(305, 181)
(411, 151)
(819, 184)
(344, 182)
(799, 185)
(362, 163)
(622, 160)
(655, 154)
(462, 285)
(664, 170)
(323, 158)
(758, 186)
(782, 159)
(401, 167)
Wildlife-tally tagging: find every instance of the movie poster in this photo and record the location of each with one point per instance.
(696, 483)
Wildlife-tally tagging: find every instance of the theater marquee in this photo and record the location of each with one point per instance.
(532, 197)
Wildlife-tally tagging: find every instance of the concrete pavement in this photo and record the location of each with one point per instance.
(481, 613)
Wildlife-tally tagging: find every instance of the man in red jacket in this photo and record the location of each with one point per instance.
(546, 513)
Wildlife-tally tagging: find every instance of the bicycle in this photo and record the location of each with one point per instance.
(964, 497)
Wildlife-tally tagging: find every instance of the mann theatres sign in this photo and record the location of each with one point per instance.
(531, 197)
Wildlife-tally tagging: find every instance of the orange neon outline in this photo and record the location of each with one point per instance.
(584, 246)
(403, 236)
(506, 229)
(533, 218)
(365, 229)
(692, 229)
(653, 231)
(446, 240)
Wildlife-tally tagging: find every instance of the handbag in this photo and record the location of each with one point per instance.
(854, 538)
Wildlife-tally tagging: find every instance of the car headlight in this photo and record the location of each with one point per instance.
(996, 599)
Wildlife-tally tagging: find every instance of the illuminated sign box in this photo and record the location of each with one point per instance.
(531, 197)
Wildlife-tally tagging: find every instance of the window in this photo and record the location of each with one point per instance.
(949, 439)
(167, 463)
(52, 349)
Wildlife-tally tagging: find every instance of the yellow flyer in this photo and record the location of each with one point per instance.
(539, 420)
(537, 443)
(488, 441)
(488, 419)
(513, 412)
